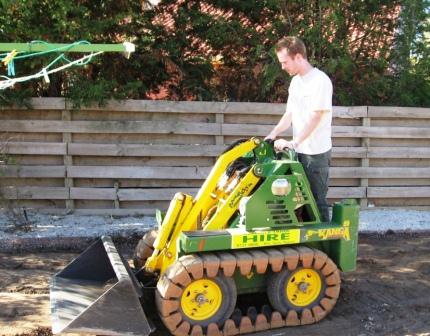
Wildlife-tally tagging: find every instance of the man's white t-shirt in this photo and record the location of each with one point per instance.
(307, 94)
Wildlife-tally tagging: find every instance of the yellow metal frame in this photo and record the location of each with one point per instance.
(229, 206)
(186, 214)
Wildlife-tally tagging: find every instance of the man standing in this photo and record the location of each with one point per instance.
(309, 111)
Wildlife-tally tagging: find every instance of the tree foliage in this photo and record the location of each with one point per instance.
(375, 51)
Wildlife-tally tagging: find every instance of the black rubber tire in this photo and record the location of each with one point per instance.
(229, 293)
(276, 291)
(144, 248)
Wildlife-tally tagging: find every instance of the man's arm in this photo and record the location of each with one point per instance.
(282, 126)
(306, 132)
(310, 127)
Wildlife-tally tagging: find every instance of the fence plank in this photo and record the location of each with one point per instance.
(144, 150)
(398, 112)
(398, 192)
(195, 150)
(380, 132)
(337, 131)
(346, 192)
(173, 127)
(153, 194)
(35, 148)
(190, 107)
(185, 173)
(42, 103)
(215, 108)
(166, 194)
(196, 173)
(349, 152)
(129, 127)
(399, 152)
(58, 193)
(349, 112)
(379, 172)
(93, 193)
(32, 171)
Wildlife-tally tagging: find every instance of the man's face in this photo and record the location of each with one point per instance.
(288, 63)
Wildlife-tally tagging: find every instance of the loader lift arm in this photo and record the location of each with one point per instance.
(188, 214)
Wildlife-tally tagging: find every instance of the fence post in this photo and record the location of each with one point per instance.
(66, 115)
(219, 119)
(116, 201)
(365, 142)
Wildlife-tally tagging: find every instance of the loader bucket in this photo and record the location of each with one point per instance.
(97, 293)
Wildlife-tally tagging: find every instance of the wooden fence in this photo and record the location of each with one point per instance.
(131, 157)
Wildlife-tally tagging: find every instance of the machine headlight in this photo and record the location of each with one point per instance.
(280, 187)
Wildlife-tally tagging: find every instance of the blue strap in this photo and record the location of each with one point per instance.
(11, 68)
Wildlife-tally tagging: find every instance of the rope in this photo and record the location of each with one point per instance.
(8, 82)
(9, 58)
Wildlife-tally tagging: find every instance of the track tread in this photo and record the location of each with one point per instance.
(230, 328)
(172, 321)
(276, 320)
(306, 256)
(319, 259)
(244, 262)
(227, 263)
(333, 291)
(194, 266)
(171, 284)
(318, 313)
(260, 260)
(333, 279)
(210, 264)
(307, 317)
(246, 325)
(276, 259)
(292, 319)
(291, 257)
(165, 307)
(178, 274)
(261, 323)
(197, 331)
(168, 289)
(213, 330)
(183, 329)
(144, 248)
(329, 267)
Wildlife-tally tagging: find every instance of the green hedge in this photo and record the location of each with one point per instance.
(375, 51)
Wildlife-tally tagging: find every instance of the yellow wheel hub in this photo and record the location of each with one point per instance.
(201, 299)
(303, 287)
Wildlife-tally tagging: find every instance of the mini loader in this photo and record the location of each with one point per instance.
(247, 253)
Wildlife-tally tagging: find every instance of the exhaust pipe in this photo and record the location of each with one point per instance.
(97, 293)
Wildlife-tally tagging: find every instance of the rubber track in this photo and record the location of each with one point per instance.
(194, 267)
(144, 248)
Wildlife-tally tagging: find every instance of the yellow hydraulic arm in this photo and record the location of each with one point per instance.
(186, 214)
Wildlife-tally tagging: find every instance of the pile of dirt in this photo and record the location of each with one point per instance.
(388, 294)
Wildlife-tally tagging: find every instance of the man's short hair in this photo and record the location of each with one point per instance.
(293, 45)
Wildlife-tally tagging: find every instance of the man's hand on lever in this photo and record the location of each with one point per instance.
(281, 144)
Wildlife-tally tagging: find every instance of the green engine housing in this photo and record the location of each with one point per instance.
(266, 219)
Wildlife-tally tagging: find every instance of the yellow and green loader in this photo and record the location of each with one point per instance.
(248, 253)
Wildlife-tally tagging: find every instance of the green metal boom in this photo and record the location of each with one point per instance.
(83, 48)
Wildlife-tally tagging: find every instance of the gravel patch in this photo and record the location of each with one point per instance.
(72, 226)
(49, 226)
(382, 220)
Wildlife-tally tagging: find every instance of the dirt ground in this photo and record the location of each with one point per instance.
(389, 294)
